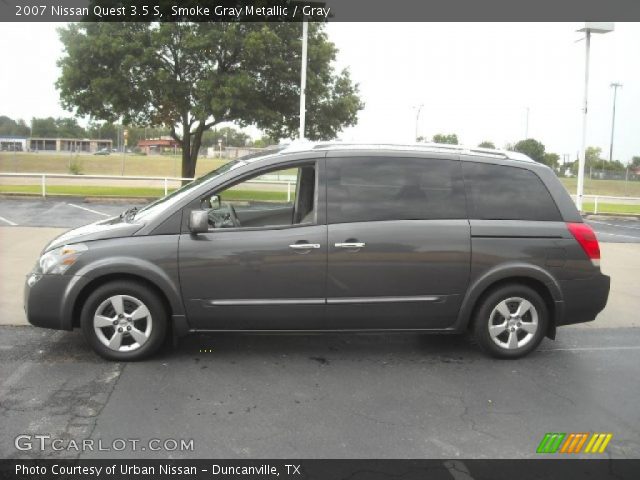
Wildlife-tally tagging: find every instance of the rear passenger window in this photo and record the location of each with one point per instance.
(497, 192)
(364, 189)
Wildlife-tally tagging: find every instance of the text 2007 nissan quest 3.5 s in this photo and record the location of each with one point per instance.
(363, 238)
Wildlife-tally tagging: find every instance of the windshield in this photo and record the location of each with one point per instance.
(164, 202)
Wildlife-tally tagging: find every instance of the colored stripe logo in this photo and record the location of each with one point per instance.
(555, 442)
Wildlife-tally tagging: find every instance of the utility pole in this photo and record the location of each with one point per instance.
(303, 77)
(613, 117)
(589, 27)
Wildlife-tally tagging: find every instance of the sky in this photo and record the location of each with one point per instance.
(477, 80)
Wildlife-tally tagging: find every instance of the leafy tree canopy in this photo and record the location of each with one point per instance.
(57, 128)
(486, 144)
(13, 128)
(551, 160)
(189, 77)
(532, 148)
(451, 139)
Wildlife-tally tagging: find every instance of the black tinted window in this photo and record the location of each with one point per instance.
(496, 192)
(364, 189)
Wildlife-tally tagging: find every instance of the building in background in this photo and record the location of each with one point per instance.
(13, 144)
(69, 145)
(159, 145)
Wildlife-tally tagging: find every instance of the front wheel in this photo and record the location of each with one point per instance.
(511, 321)
(123, 321)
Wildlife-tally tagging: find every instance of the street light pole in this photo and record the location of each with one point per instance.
(590, 27)
(418, 118)
(582, 159)
(303, 77)
(613, 117)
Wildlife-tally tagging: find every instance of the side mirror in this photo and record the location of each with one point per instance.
(198, 221)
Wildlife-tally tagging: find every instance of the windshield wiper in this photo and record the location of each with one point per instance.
(129, 214)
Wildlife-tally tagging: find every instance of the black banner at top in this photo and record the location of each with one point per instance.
(327, 10)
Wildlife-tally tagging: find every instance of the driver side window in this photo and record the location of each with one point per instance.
(274, 198)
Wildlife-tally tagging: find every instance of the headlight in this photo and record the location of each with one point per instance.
(58, 260)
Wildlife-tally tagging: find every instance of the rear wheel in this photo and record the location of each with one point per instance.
(124, 321)
(511, 321)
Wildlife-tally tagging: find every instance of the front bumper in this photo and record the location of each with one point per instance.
(584, 299)
(49, 301)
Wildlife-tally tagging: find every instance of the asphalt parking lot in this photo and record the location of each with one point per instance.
(362, 396)
(63, 213)
(69, 213)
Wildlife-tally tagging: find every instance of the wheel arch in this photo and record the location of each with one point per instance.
(97, 282)
(531, 276)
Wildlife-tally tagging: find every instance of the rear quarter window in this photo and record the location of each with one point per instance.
(498, 192)
(365, 189)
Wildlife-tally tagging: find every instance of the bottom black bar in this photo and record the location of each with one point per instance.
(320, 469)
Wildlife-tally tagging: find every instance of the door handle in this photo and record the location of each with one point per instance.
(304, 246)
(351, 245)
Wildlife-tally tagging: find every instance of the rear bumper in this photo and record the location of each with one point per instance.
(583, 299)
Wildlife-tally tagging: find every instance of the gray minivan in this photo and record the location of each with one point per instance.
(332, 237)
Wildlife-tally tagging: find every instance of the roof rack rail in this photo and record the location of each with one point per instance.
(300, 146)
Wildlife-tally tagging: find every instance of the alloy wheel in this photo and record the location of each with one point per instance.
(513, 323)
(122, 323)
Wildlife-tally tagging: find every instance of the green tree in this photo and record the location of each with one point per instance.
(593, 160)
(230, 138)
(451, 139)
(532, 148)
(593, 157)
(635, 162)
(190, 77)
(103, 130)
(264, 141)
(551, 160)
(44, 127)
(69, 128)
(12, 128)
(487, 144)
(57, 128)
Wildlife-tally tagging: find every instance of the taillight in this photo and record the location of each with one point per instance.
(586, 237)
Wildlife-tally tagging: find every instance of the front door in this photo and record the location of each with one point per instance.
(262, 264)
(399, 242)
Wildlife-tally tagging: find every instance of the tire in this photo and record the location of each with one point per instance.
(511, 321)
(141, 321)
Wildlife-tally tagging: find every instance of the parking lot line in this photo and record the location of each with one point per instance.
(616, 235)
(8, 222)
(89, 210)
(614, 225)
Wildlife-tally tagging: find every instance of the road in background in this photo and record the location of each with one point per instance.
(616, 229)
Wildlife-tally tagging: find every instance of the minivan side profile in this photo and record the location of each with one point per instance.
(390, 238)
